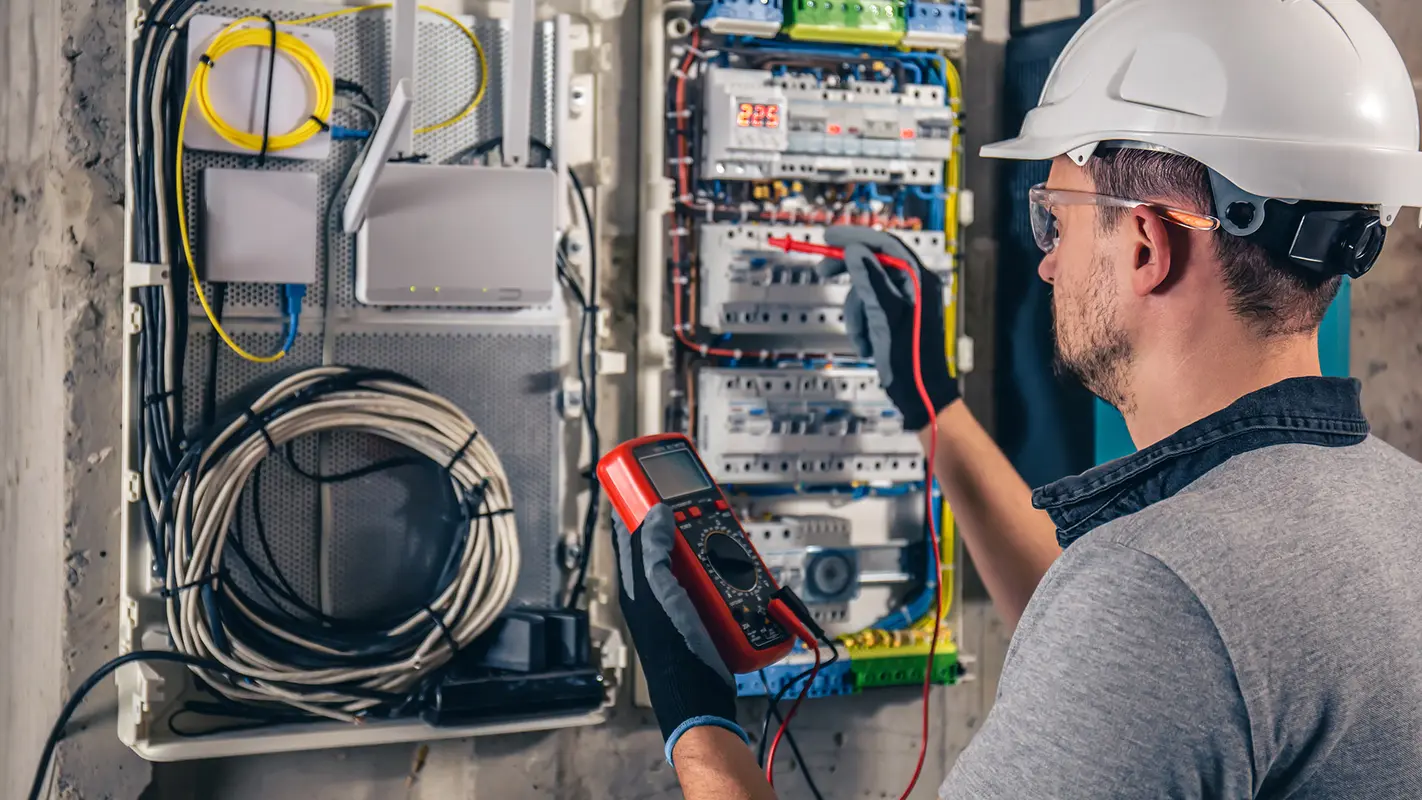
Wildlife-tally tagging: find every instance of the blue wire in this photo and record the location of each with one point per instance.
(292, 294)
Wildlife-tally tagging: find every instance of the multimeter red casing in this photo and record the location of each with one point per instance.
(726, 579)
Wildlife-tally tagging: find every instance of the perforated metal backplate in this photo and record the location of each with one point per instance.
(389, 533)
(500, 377)
(446, 79)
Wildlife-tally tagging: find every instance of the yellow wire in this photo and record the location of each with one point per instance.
(200, 76)
(464, 29)
(298, 52)
(953, 170)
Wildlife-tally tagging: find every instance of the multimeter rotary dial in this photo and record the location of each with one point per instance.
(729, 562)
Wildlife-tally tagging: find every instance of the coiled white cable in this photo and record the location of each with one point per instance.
(204, 502)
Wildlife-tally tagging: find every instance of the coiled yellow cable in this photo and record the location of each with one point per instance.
(298, 52)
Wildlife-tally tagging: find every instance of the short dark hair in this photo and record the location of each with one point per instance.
(1274, 298)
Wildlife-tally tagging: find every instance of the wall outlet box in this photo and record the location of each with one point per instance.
(259, 226)
(444, 235)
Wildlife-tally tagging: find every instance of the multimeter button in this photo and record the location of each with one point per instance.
(679, 516)
(721, 505)
(695, 511)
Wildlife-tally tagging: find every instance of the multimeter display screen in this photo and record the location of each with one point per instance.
(675, 473)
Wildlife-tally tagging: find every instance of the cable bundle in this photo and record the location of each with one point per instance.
(318, 664)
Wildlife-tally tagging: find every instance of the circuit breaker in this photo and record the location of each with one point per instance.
(751, 287)
(788, 426)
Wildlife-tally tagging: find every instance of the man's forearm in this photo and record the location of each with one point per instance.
(1012, 544)
(714, 764)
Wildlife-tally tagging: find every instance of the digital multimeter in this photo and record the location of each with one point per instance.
(713, 559)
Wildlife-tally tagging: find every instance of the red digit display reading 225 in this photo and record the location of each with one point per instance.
(758, 115)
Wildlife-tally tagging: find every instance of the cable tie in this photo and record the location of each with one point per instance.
(271, 79)
(459, 454)
(157, 399)
(444, 631)
(323, 125)
(261, 428)
(212, 578)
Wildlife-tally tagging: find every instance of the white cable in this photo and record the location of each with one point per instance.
(327, 399)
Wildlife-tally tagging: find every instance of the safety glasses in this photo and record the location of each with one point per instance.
(1044, 219)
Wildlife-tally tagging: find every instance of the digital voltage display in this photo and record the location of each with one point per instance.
(758, 115)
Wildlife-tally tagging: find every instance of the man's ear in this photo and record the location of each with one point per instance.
(1153, 252)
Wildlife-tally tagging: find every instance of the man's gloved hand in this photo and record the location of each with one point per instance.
(879, 316)
(688, 683)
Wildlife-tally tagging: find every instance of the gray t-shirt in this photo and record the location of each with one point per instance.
(1255, 634)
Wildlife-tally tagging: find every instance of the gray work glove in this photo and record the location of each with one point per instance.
(879, 316)
(688, 682)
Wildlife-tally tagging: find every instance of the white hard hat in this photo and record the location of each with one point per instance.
(1287, 99)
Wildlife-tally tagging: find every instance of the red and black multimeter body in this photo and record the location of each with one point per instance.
(713, 559)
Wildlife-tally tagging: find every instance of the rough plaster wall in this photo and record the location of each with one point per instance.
(1387, 304)
(60, 259)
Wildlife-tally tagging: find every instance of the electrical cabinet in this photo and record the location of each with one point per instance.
(784, 119)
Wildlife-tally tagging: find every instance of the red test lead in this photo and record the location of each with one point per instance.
(794, 246)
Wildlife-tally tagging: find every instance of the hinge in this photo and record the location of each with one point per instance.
(137, 275)
(611, 362)
(967, 208)
(572, 398)
(965, 354)
(133, 487)
(135, 319)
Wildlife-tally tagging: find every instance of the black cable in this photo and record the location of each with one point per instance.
(209, 397)
(774, 708)
(589, 400)
(780, 695)
(56, 733)
(351, 87)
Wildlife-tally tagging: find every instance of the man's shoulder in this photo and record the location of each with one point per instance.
(1258, 500)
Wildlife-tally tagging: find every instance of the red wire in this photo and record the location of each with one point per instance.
(785, 723)
(932, 522)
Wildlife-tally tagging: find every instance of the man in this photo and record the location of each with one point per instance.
(1232, 611)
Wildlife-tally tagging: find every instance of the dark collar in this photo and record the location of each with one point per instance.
(1318, 411)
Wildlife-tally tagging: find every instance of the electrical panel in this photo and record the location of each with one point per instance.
(751, 287)
(803, 426)
(762, 127)
(783, 119)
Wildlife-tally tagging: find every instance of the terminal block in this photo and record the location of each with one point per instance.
(749, 287)
(760, 18)
(762, 126)
(873, 22)
(833, 680)
(790, 426)
(902, 666)
(936, 24)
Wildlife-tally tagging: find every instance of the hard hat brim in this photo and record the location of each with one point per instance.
(1268, 168)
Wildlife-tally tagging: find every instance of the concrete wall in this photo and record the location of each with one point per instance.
(61, 190)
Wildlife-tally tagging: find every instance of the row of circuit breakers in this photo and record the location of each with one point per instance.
(763, 127)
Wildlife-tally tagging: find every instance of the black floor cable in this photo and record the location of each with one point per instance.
(773, 708)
